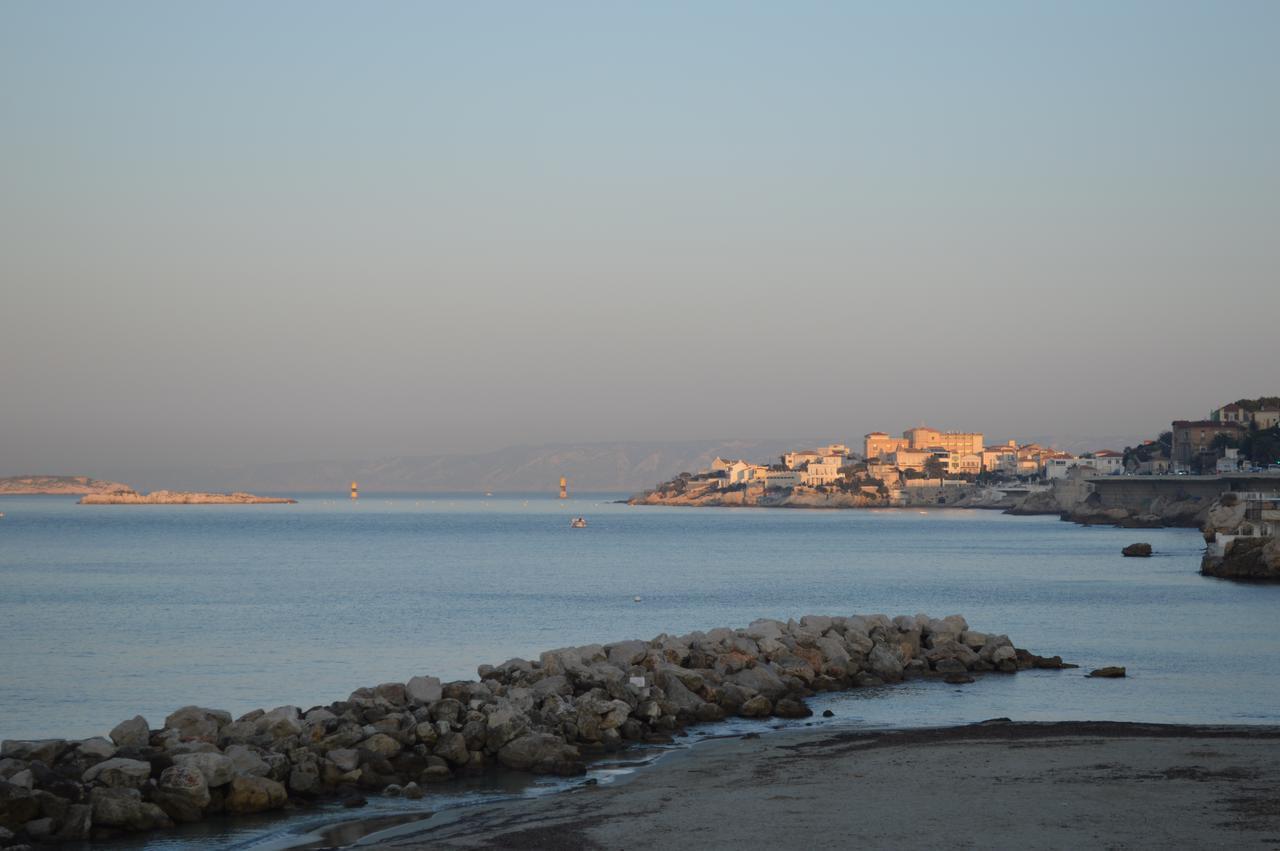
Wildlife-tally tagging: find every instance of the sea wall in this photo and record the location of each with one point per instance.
(545, 716)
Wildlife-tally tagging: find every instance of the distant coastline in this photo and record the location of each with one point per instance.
(132, 497)
(101, 492)
(29, 485)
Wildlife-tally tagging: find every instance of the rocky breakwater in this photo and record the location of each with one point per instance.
(543, 716)
(128, 496)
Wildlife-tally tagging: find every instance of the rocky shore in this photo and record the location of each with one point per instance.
(544, 716)
(798, 497)
(128, 496)
(1246, 560)
(1071, 500)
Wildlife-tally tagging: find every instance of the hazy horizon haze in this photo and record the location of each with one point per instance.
(238, 234)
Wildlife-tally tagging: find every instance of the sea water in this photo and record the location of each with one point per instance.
(111, 611)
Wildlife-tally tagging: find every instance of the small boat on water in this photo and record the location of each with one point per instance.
(578, 523)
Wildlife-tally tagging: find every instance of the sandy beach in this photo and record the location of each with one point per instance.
(994, 785)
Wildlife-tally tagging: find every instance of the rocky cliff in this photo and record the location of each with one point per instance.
(64, 485)
(1073, 499)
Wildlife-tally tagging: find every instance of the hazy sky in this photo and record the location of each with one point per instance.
(256, 231)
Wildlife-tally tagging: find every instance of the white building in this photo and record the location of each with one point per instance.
(779, 478)
(822, 472)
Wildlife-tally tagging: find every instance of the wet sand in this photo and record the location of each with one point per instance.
(993, 785)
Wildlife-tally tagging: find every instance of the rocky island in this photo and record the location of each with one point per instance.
(128, 496)
(545, 716)
(56, 485)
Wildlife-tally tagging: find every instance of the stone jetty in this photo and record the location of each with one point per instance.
(545, 716)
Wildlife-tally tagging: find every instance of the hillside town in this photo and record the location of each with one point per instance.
(925, 464)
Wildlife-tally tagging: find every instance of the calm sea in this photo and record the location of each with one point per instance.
(110, 611)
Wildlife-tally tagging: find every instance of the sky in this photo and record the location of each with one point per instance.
(241, 232)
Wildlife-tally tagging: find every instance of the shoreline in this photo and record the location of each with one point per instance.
(1002, 783)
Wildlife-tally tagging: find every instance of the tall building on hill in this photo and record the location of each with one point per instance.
(1194, 438)
(957, 442)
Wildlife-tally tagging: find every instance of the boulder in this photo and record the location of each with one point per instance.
(182, 793)
(119, 772)
(423, 690)
(133, 733)
(195, 722)
(760, 679)
(40, 829)
(765, 628)
(381, 744)
(247, 762)
(686, 703)
(503, 725)
(125, 809)
(1110, 672)
(45, 750)
(1137, 551)
(393, 693)
(541, 753)
(757, 707)
(791, 707)
(280, 723)
(17, 806)
(255, 795)
(437, 770)
(346, 759)
(76, 825)
(218, 769)
(884, 664)
(453, 747)
(624, 654)
(304, 778)
(96, 750)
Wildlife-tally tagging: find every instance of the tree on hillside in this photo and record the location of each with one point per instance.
(933, 467)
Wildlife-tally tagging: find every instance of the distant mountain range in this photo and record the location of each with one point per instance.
(617, 467)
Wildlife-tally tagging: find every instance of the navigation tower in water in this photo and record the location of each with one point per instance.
(355, 493)
(564, 488)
